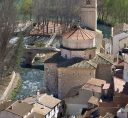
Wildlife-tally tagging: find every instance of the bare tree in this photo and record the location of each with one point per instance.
(58, 11)
(7, 25)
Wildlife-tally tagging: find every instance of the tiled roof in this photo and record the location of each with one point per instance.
(20, 108)
(49, 101)
(35, 115)
(120, 36)
(94, 85)
(86, 64)
(40, 109)
(103, 59)
(98, 59)
(79, 34)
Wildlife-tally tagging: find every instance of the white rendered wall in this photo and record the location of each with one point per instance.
(125, 72)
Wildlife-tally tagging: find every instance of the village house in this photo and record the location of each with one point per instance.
(40, 106)
(84, 97)
(17, 110)
(119, 42)
(116, 105)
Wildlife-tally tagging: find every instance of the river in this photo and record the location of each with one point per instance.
(32, 81)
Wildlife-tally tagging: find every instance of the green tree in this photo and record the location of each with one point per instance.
(26, 8)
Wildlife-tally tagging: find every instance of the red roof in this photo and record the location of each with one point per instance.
(79, 34)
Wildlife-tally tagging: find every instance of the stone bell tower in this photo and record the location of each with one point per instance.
(89, 13)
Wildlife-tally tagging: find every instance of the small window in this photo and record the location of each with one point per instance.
(88, 2)
(90, 56)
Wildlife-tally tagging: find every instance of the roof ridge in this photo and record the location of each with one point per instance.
(91, 64)
(104, 58)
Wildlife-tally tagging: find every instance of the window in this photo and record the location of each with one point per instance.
(90, 56)
(88, 2)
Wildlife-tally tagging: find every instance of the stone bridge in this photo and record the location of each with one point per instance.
(30, 53)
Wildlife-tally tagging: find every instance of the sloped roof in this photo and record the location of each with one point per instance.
(120, 36)
(40, 109)
(86, 64)
(103, 59)
(98, 59)
(35, 115)
(49, 101)
(20, 108)
(79, 34)
(94, 85)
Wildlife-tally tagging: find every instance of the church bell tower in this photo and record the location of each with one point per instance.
(89, 13)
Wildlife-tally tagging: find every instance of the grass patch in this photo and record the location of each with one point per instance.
(16, 90)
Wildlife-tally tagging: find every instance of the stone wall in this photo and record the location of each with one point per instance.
(72, 77)
(104, 72)
(12, 85)
(86, 54)
(51, 78)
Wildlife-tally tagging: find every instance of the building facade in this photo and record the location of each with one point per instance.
(89, 14)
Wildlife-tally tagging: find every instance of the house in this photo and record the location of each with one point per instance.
(16, 110)
(119, 42)
(40, 106)
(84, 97)
(45, 105)
(117, 105)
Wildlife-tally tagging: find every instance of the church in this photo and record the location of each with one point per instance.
(81, 56)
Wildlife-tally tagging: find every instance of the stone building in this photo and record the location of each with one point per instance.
(40, 106)
(71, 67)
(78, 43)
(61, 75)
(77, 99)
(89, 14)
(119, 42)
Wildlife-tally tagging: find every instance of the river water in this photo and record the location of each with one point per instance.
(33, 79)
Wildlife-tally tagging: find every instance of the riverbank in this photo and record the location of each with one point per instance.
(9, 85)
(17, 88)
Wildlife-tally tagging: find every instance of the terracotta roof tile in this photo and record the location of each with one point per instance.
(20, 108)
(49, 101)
(79, 34)
(94, 85)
